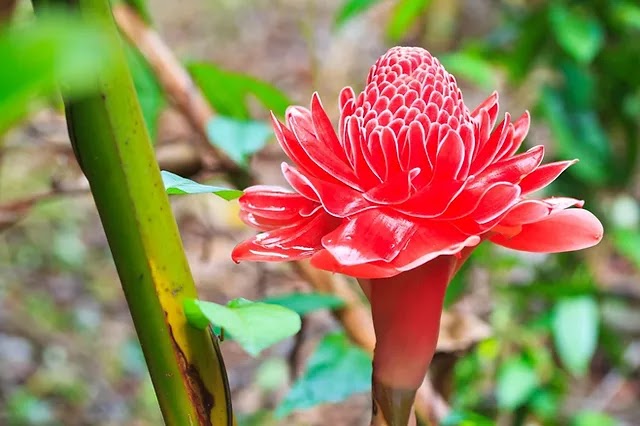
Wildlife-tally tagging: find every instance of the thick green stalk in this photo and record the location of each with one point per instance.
(115, 152)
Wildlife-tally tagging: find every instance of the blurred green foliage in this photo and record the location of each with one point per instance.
(36, 57)
(336, 370)
(229, 93)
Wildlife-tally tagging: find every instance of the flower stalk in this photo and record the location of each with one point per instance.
(114, 150)
(406, 312)
(399, 196)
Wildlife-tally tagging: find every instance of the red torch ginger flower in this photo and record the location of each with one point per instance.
(400, 195)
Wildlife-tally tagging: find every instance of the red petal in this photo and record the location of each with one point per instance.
(291, 146)
(466, 134)
(513, 169)
(338, 200)
(324, 260)
(271, 207)
(395, 190)
(299, 182)
(433, 200)
(567, 230)
(324, 129)
(527, 211)
(489, 149)
(520, 130)
(389, 145)
(490, 105)
(544, 175)
(495, 201)
(450, 157)
(373, 155)
(530, 211)
(562, 203)
(416, 139)
(298, 241)
(318, 150)
(274, 202)
(482, 133)
(354, 140)
(430, 240)
(346, 94)
(370, 236)
(262, 223)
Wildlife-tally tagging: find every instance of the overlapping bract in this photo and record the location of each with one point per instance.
(411, 174)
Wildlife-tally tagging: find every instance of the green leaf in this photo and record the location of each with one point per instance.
(269, 96)
(303, 303)
(472, 67)
(259, 418)
(517, 380)
(593, 163)
(466, 418)
(628, 14)
(592, 418)
(239, 139)
(627, 242)
(336, 370)
(35, 57)
(228, 92)
(254, 325)
(575, 332)
(148, 89)
(404, 15)
(351, 9)
(272, 374)
(175, 184)
(580, 35)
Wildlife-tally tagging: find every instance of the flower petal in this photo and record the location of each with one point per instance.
(395, 190)
(567, 230)
(275, 202)
(433, 200)
(298, 241)
(370, 236)
(490, 105)
(499, 198)
(491, 147)
(319, 151)
(354, 141)
(324, 260)
(324, 129)
(530, 211)
(512, 169)
(269, 207)
(544, 175)
(526, 211)
(338, 200)
(430, 240)
(520, 130)
(291, 146)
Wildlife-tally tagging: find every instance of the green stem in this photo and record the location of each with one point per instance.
(112, 145)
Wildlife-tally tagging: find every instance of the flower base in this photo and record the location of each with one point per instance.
(392, 407)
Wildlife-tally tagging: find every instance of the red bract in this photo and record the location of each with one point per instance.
(411, 175)
(400, 194)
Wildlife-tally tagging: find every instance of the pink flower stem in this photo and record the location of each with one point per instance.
(406, 313)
